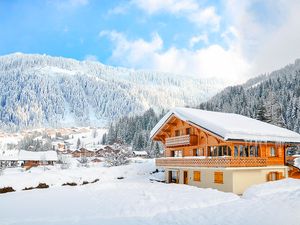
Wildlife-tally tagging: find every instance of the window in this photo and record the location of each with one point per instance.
(272, 151)
(178, 153)
(245, 151)
(199, 152)
(197, 176)
(196, 152)
(253, 151)
(236, 151)
(219, 177)
(222, 150)
(274, 176)
(177, 132)
(188, 131)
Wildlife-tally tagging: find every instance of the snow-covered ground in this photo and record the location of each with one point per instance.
(297, 161)
(138, 200)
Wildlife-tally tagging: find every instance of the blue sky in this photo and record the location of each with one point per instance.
(181, 36)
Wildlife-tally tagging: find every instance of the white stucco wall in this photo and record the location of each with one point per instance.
(235, 179)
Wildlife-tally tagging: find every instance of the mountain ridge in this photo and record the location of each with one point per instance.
(45, 91)
(273, 98)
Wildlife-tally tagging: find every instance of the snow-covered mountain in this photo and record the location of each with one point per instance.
(40, 90)
(273, 98)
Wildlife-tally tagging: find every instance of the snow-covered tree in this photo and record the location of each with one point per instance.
(119, 156)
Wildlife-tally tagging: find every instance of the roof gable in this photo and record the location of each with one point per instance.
(230, 126)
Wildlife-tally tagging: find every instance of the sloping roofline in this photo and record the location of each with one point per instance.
(230, 126)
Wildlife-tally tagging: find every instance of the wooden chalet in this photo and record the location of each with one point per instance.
(28, 159)
(218, 150)
(82, 152)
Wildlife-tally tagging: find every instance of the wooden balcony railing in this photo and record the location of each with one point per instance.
(212, 162)
(183, 140)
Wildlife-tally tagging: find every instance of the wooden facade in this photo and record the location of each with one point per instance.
(200, 157)
(187, 144)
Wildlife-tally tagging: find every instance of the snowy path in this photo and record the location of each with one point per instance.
(135, 200)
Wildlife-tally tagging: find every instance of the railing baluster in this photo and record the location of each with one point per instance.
(212, 162)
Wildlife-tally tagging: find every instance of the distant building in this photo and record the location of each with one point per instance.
(83, 153)
(28, 158)
(140, 153)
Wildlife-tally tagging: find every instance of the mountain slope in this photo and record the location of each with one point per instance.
(273, 98)
(40, 90)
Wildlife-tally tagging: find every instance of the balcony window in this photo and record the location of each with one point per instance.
(222, 150)
(245, 151)
(253, 151)
(177, 153)
(177, 133)
(272, 152)
(236, 151)
(198, 152)
(188, 131)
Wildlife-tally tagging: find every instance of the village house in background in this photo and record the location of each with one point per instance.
(27, 159)
(142, 154)
(226, 151)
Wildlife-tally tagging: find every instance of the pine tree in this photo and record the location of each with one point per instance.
(104, 141)
(261, 112)
(156, 150)
(78, 143)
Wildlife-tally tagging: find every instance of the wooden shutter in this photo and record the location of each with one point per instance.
(269, 176)
(218, 177)
(279, 175)
(197, 176)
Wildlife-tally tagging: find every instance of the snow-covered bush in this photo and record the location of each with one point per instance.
(83, 161)
(64, 161)
(118, 156)
(2, 167)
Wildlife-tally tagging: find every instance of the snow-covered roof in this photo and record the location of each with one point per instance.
(20, 155)
(142, 153)
(9, 155)
(37, 156)
(230, 126)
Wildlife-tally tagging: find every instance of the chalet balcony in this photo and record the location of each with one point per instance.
(183, 140)
(212, 162)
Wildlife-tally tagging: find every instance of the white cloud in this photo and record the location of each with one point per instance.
(189, 9)
(119, 10)
(135, 54)
(199, 38)
(212, 61)
(254, 42)
(267, 45)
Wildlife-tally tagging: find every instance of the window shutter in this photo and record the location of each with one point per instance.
(218, 177)
(279, 175)
(197, 176)
(269, 176)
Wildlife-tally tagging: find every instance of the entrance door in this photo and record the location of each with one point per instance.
(185, 177)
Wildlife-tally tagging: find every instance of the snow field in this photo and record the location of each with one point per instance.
(136, 200)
